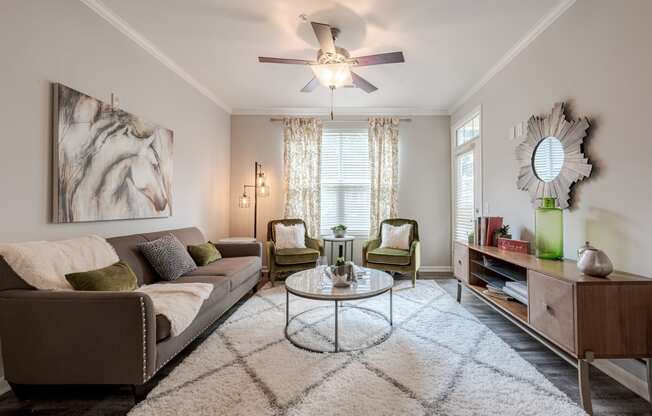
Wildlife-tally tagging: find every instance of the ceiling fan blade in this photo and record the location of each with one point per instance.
(362, 83)
(381, 58)
(266, 59)
(324, 36)
(311, 85)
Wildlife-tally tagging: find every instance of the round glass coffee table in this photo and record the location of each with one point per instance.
(314, 284)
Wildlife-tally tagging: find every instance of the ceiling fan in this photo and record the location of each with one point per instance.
(333, 66)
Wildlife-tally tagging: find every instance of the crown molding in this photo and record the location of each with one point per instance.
(519, 47)
(341, 111)
(117, 22)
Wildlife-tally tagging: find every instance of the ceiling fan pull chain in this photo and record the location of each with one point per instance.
(332, 116)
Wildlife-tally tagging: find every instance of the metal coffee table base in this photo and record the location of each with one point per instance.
(338, 306)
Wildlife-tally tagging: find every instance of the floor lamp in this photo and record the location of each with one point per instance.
(261, 189)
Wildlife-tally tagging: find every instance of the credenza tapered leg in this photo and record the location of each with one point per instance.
(583, 366)
(459, 291)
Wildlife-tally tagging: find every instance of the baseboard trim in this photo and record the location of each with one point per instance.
(624, 377)
(436, 269)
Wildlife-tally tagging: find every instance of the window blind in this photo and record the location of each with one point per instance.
(345, 178)
(464, 196)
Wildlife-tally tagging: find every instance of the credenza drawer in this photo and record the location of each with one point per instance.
(551, 309)
(461, 262)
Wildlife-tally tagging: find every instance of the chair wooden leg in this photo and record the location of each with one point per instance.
(414, 279)
(272, 276)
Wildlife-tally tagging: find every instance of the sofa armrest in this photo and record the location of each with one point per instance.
(315, 244)
(240, 249)
(74, 337)
(370, 245)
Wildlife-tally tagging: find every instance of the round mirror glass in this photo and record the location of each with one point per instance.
(548, 159)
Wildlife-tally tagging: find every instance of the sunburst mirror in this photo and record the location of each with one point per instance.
(550, 158)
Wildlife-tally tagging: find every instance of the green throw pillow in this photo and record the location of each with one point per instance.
(204, 254)
(116, 278)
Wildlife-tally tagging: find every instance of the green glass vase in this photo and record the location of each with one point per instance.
(549, 230)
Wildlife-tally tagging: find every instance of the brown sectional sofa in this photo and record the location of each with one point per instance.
(71, 337)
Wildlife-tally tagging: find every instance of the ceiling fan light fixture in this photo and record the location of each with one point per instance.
(333, 75)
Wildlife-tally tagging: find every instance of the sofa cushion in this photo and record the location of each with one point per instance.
(398, 237)
(290, 236)
(290, 256)
(188, 236)
(204, 254)
(221, 286)
(229, 266)
(128, 251)
(115, 278)
(384, 255)
(168, 256)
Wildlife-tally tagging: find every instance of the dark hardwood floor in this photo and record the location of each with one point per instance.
(609, 397)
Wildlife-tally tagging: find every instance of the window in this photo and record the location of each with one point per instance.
(466, 173)
(464, 196)
(469, 131)
(345, 178)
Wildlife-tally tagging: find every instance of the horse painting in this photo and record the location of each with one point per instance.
(108, 164)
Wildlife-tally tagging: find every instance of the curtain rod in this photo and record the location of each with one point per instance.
(404, 120)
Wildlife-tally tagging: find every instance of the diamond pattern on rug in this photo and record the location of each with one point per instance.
(435, 326)
(282, 362)
(422, 361)
(380, 396)
(218, 391)
(198, 364)
(357, 328)
(439, 360)
(479, 390)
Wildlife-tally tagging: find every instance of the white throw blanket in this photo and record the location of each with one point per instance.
(44, 264)
(179, 302)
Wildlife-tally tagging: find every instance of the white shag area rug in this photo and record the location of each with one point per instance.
(438, 360)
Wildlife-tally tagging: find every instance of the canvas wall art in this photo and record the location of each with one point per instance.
(108, 164)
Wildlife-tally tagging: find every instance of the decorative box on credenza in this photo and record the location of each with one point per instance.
(579, 317)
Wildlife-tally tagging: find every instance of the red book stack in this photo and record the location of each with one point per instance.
(485, 231)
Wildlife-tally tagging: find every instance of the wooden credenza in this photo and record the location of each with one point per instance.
(579, 317)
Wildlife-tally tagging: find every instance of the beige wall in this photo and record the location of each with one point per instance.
(424, 190)
(64, 41)
(596, 57)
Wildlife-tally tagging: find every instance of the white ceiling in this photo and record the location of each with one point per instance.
(449, 46)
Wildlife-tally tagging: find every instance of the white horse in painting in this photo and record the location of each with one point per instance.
(116, 166)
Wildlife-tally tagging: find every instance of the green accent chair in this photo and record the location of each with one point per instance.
(392, 259)
(291, 259)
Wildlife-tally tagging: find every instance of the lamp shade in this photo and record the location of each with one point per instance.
(244, 201)
(261, 180)
(263, 190)
(333, 75)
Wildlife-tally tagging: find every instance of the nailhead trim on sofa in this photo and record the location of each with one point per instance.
(143, 315)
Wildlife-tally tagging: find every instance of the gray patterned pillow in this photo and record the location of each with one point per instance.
(168, 257)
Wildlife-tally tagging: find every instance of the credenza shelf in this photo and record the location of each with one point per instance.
(581, 318)
(514, 308)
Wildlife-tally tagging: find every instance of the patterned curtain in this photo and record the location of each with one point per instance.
(301, 166)
(383, 161)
